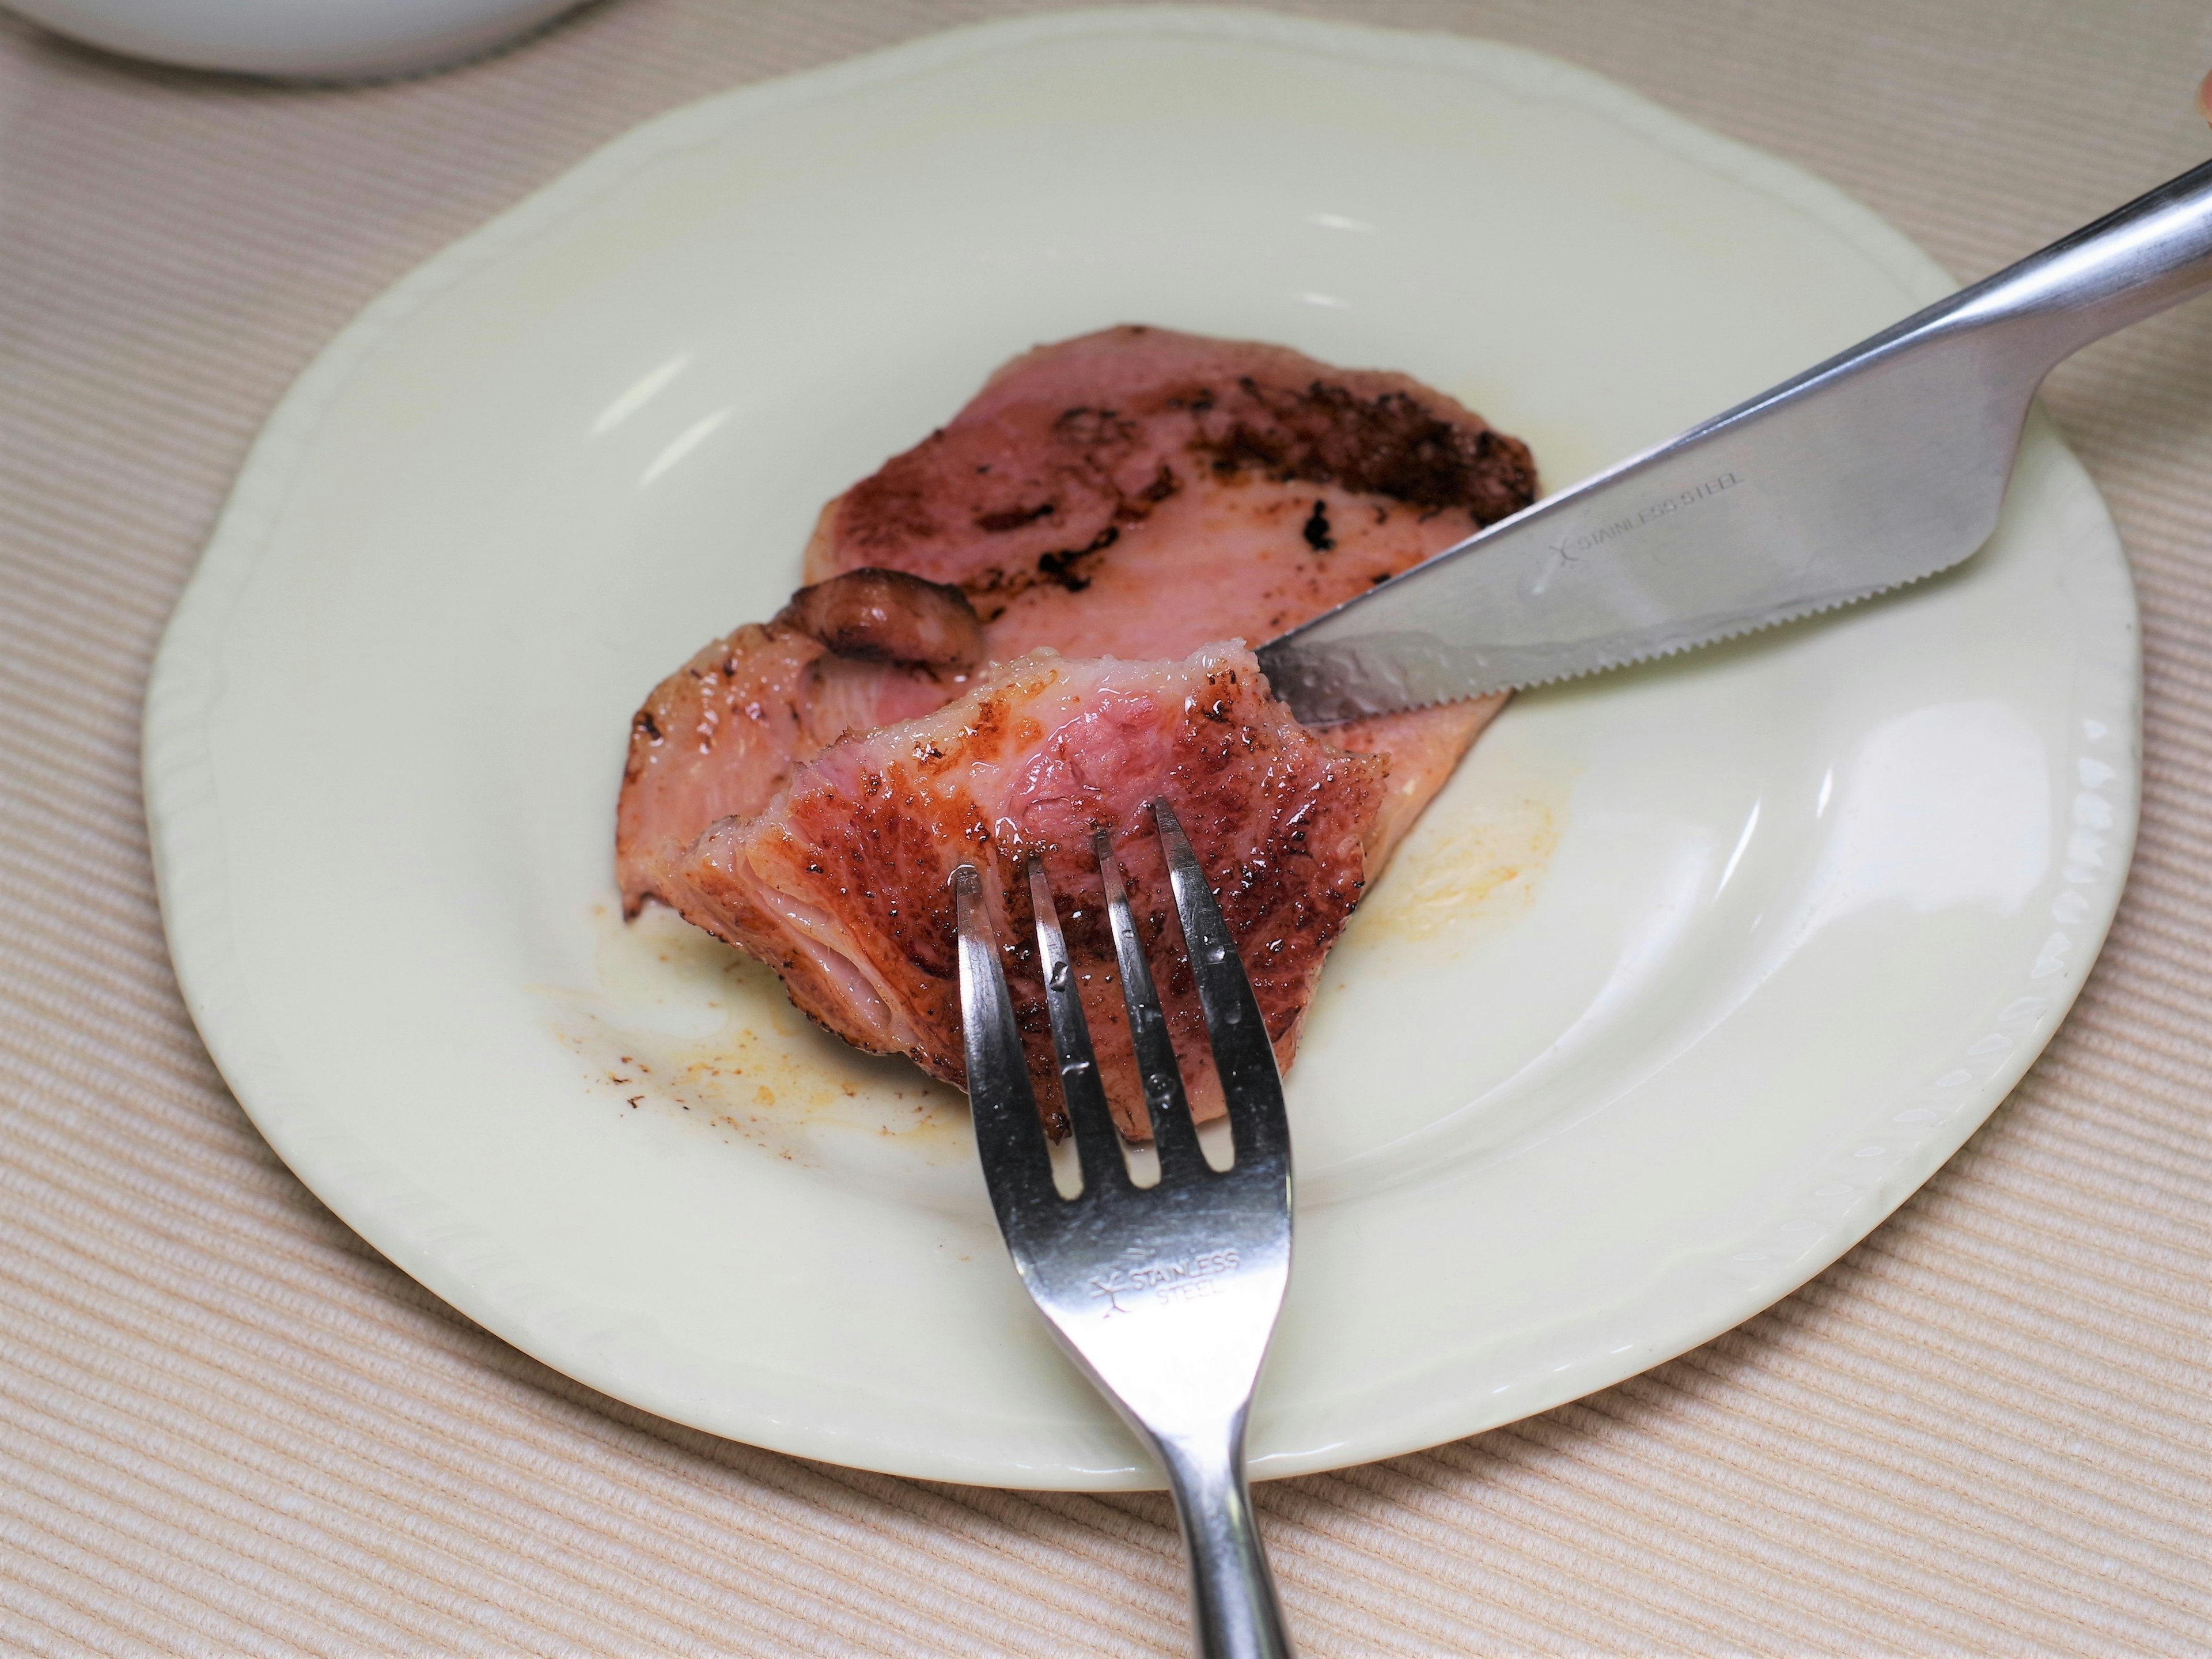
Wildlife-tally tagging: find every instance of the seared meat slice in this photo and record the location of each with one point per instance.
(1132, 494)
(1137, 492)
(842, 882)
(719, 736)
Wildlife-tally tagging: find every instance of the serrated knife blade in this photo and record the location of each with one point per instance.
(1877, 468)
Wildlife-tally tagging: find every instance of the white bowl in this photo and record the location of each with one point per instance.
(319, 40)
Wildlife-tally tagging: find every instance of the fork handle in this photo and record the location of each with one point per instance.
(1234, 1611)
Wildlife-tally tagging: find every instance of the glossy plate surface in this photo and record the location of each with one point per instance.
(1693, 974)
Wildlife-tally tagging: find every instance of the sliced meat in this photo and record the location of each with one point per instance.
(719, 736)
(1132, 494)
(842, 882)
(1136, 492)
(1421, 747)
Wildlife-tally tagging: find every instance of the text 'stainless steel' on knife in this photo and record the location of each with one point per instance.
(1879, 467)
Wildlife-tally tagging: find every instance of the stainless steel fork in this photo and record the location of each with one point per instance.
(1165, 1295)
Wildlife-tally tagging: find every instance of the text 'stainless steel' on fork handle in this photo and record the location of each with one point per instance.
(1164, 1295)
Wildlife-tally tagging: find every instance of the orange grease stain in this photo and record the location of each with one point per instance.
(1446, 878)
(713, 1035)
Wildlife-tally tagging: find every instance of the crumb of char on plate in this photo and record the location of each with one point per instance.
(842, 881)
(1138, 491)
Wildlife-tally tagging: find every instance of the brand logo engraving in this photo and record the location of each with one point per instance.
(1570, 548)
(1184, 1278)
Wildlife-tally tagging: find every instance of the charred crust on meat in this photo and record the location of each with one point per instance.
(990, 719)
(1390, 445)
(644, 725)
(1316, 529)
(991, 591)
(1013, 518)
(890, 509)
(1135, 509)
(1061, 564)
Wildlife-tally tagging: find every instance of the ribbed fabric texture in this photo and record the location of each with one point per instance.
(227, 1426)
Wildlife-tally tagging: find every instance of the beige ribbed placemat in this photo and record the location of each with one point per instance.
(227, 1426)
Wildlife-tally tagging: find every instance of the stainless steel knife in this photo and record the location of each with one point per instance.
(1874, 469)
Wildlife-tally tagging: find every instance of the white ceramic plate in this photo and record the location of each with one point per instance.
(1692, 975)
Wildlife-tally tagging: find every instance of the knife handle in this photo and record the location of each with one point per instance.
(2132, 264)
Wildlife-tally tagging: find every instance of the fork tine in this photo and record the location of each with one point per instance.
(1097, 1143)
(1251, 1081)
(1173, 1136)
(1008, 1134)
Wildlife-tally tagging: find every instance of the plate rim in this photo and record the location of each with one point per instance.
(185, 820)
